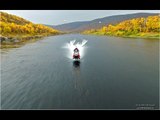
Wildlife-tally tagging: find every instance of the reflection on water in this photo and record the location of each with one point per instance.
(79, 82)
(76, 64)
(76, 71)
(76, 68)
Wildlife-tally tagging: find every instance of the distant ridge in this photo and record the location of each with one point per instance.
(98, 23)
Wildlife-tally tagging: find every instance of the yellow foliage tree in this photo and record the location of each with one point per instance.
(133, 26)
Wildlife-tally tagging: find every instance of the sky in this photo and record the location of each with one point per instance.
(56, 17)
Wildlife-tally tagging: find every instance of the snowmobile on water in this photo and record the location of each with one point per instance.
(76, 54)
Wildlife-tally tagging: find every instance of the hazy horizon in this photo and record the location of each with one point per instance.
(57, 17)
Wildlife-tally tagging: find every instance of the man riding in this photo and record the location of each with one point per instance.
(76, 54)
(76, 50)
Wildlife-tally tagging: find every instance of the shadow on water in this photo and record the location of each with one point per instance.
(76, 64)
(76, 68)
(79, 83)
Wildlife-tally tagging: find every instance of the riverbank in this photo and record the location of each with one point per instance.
(15, 41)
(138, 35)
(16, 31)
(145, 35)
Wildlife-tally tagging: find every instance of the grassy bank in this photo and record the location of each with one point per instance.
(137, 35)
(16, 31)
(136, 28)
(14, 41)
(145, 35)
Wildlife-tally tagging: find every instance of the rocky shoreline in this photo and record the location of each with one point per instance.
(12, 42)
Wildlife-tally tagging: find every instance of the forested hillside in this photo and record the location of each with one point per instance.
(100, 22)
(147, 27)
(15, 30)
(11, 24)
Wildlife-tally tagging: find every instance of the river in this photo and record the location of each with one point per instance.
(114, 73)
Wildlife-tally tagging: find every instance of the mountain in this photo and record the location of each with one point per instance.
(9, 18)
(138, 27)
(15, 25)
(98, 23)
(70, 27)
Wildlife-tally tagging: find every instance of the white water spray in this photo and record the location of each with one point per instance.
(72, 45)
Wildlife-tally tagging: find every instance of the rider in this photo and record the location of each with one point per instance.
(76, 49)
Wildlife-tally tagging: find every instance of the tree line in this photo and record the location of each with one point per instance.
(151, 24)
(11, 24)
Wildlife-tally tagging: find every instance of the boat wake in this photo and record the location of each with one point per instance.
(73, 44)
